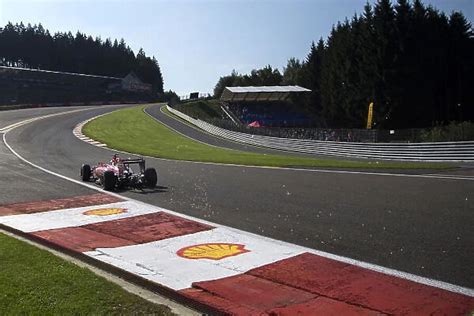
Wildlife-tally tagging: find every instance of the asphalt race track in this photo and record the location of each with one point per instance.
(411, 223)
(10, 117)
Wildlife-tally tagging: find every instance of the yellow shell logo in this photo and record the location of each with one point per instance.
(105, 211)
(213, 251)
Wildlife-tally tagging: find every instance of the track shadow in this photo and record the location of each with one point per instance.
(157, 189)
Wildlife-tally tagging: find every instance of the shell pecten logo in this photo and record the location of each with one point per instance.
(105, 211)
(213, 251)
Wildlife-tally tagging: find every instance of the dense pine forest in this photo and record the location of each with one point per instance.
(415, 63)
(32, 46)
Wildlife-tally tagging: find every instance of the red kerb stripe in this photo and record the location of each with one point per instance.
(363, 287)
(57, 204)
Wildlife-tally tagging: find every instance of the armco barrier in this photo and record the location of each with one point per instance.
(438, 151)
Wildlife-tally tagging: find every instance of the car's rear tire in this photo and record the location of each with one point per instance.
(85, 172)
(151, 178)
(110, 180)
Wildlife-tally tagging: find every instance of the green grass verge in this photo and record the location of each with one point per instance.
(34, 281)
(133, 131)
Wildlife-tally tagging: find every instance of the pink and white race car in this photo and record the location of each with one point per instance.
(118, 174)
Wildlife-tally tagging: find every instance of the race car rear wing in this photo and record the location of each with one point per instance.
(139, 161)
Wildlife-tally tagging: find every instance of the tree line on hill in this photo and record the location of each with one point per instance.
(414, 62)
(32, 46)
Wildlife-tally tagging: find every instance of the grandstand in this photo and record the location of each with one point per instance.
(265, 106)
(22, 85)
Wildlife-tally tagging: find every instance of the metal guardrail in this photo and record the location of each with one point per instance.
(437, 151)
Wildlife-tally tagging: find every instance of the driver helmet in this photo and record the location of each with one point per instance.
(115, 159)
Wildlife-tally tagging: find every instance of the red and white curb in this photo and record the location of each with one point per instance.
(228, 270)
(77, 131)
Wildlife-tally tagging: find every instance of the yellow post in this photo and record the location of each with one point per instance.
(370, 115)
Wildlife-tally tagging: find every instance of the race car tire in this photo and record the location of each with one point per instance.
(110, 180)
(85, 172)
(151, 178)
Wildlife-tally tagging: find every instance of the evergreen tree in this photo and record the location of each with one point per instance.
(34, 47)
(312, 77)
(292, 72)
(225, 81)
(412, 61)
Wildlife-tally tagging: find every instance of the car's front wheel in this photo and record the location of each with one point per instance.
(85, 172)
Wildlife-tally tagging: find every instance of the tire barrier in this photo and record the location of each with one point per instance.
(436, 151)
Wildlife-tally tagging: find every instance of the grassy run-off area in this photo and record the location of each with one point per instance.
(34, 281)
(134, 131)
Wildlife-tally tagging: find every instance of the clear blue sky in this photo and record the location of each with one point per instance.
(198, 41)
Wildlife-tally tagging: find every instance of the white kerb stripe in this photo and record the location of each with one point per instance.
(165, 267)
(73, 217)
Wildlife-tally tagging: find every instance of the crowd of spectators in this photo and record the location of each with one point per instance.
(245, 112)
(338, 135)
(281, 119)
(270, 113)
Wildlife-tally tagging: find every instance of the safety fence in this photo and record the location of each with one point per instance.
(437, 151)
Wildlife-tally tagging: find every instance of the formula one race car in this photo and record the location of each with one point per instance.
(119, 174)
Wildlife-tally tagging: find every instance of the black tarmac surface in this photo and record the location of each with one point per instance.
(418, 225)
(10, 117)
